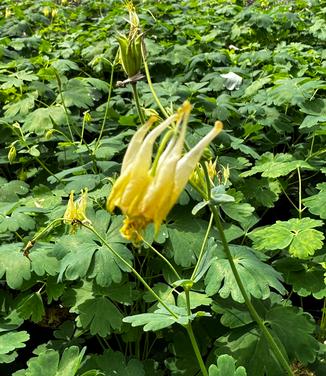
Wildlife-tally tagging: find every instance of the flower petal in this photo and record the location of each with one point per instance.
(188, 162)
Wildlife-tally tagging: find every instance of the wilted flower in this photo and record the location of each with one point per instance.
(145, 191)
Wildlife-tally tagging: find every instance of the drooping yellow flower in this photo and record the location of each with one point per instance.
(146, 191)
(76, 210)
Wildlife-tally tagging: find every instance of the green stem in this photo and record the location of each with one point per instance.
(300, 210)
(134, 271)
(201, 253)
(150, 84)
(107, 102)
(254, 314)
(196, 350)
(273, 345)
(192, 336)
(136, 97)
(63, 103)
(162, 257)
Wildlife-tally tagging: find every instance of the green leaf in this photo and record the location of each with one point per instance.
(196, 299)
(100, 315)
(31, 307)
(44, 260)
(14, 264)
(316, 204)
(42, 119)
(237, 210)
(10, 192)
(295, 330)
(115, 364)
(292, 330)
(9, 342)
(161, 318)
(297, 234)
(257, 276)
(225, 366)
(15, 221)
(186, 238)
(77, 93)
(48, 363)
(271, 166)
(19, 108)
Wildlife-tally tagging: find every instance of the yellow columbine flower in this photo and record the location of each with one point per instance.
(76, 211)
(145, 191)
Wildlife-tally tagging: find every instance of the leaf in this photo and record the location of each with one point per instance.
(225, 366)
(295, 330)
(256, 276)
(293, 91)
(291, 329)
(43, 259)
(9, 342)
(161, 318)
(297, 234)
(77, 93)
(237, 210)
(48, 363)
(15, 221)
(316, 204)
(271, 166)
(100, 315)
(19, 108)
(14, 265)
(186, 238)
(42, 119)
(78, 253)
(196, 299)
(10, 192)
(31, 307)
(115, 364)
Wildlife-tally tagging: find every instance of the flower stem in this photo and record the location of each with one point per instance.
(162, 257)
(134, 271)
(150, 84)
(201, 253)
(136, 97)
(273, 345)
(254, 314)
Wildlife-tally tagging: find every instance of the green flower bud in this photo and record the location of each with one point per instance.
(12, 154)
(130, 54)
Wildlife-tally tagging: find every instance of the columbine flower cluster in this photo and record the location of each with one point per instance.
(147, 190)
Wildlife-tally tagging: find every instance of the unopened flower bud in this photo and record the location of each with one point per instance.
(12, 154)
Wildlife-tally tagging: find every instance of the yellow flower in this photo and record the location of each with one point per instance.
(146, 191)
(76, 211)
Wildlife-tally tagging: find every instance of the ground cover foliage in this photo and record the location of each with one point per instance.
(69, 306)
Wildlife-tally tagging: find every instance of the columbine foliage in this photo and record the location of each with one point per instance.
(70, 301)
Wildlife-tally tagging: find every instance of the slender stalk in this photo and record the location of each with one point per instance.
(192, 336)
(300, 210)
(134, 271)
(107, 102)
(276, 350)
(63, 103)
(162, 257)
(254, 314)
(196, 350)
(201, 253)
(150, 84)
(136, 97)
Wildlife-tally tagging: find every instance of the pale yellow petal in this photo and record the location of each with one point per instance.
(188, 162)
(135, 144)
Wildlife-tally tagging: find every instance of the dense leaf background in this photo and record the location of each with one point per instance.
(66, 305)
